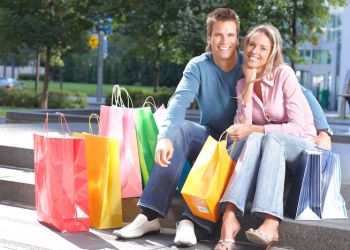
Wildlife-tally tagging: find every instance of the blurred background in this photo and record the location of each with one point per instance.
(57, 53)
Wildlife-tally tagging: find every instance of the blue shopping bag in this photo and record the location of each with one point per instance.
(315, 192)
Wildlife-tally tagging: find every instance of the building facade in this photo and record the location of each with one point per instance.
(325, 63)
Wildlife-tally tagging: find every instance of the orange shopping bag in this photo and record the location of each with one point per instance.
(208, 179)
(105, 202)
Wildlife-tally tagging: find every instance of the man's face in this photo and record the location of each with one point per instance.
(223, 41)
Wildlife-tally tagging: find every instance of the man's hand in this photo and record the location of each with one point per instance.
(323, 140)
(239, 131)
(164, 152)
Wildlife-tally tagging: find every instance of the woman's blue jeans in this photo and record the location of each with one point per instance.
(262, 165)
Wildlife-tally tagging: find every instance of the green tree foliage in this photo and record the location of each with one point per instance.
(54, 25)
(297, 20)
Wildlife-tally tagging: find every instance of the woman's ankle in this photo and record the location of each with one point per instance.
(230, 224)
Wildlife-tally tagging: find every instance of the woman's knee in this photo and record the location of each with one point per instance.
(272, 139)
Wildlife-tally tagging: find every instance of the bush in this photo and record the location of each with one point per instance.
(138, 97)
(29, 77)
(19, 98)
(65, 99)
(29, 99)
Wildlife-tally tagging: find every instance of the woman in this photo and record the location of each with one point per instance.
(275, 121)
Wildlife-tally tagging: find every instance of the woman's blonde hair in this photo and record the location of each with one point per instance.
(276, 57)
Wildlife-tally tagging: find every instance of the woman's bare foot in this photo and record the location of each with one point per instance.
(230, 225)
(266, 234)
(270, 226)
(229, 229)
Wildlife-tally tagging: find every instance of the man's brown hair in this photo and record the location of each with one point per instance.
(221, 14)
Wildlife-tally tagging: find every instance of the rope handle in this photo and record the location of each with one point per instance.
(117, 97)
(230, 149)
(63, 119)
(152, 102)
(97, 117)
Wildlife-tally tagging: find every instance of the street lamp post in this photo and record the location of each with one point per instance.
(100, 66)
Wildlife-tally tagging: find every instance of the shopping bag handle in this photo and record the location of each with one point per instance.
(152, 102)
(117, 97)
(97, 117)
(230, 149)
(62, 119)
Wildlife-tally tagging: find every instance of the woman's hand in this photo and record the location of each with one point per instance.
(239, 131)
(250, 74)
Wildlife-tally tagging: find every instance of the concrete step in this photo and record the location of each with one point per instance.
(20, 157)
(17, 186)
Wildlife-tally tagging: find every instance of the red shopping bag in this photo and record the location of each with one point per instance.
(118, 121)
(61, 188)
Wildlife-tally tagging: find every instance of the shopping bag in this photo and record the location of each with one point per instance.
(304, 200)
(208, 179)
(102, 157)
(159, 115)
(61, 188)
(146, 132)
(118, 121)
(333, 206)
(315, 191)
(184, 173)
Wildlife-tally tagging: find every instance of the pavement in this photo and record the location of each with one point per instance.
(20, 229)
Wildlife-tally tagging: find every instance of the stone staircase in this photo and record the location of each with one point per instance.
(17, 188)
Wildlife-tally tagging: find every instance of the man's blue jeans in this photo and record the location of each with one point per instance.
(160, 190)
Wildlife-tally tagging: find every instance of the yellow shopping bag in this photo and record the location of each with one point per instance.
(103, 180)
(208, 179)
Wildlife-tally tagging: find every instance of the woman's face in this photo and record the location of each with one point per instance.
(257, 51)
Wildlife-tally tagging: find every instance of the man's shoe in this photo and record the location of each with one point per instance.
(185, 235)
(138, 227)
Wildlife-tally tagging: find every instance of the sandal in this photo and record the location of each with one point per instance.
(260, 237)
(227, 244)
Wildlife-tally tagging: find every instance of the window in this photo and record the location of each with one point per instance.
(321, 57)
(305, 56)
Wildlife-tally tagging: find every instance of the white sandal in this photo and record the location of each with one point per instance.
(226, 244)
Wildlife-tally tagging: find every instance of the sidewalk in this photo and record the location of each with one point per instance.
(19, 229)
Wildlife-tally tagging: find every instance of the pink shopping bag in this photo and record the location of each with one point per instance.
(119, 122)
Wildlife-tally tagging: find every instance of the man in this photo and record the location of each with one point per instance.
(210, 79)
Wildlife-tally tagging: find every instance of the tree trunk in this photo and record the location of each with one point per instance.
(13, 66)
(294, 35)
(61, 77)
(157, 71)
(157, 82)
(37, 72)
(45, 93)
(5, 70)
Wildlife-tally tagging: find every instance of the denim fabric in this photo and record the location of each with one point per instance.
(160, 190)
(262, 164)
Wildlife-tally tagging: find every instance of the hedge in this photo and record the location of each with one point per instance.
(138, 97)
(29, 99)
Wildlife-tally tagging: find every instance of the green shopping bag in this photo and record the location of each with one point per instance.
(146, 132)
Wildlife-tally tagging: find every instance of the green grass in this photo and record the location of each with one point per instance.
(88, 88)
(3, 109)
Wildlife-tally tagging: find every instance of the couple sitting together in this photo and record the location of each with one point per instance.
(274, 119)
